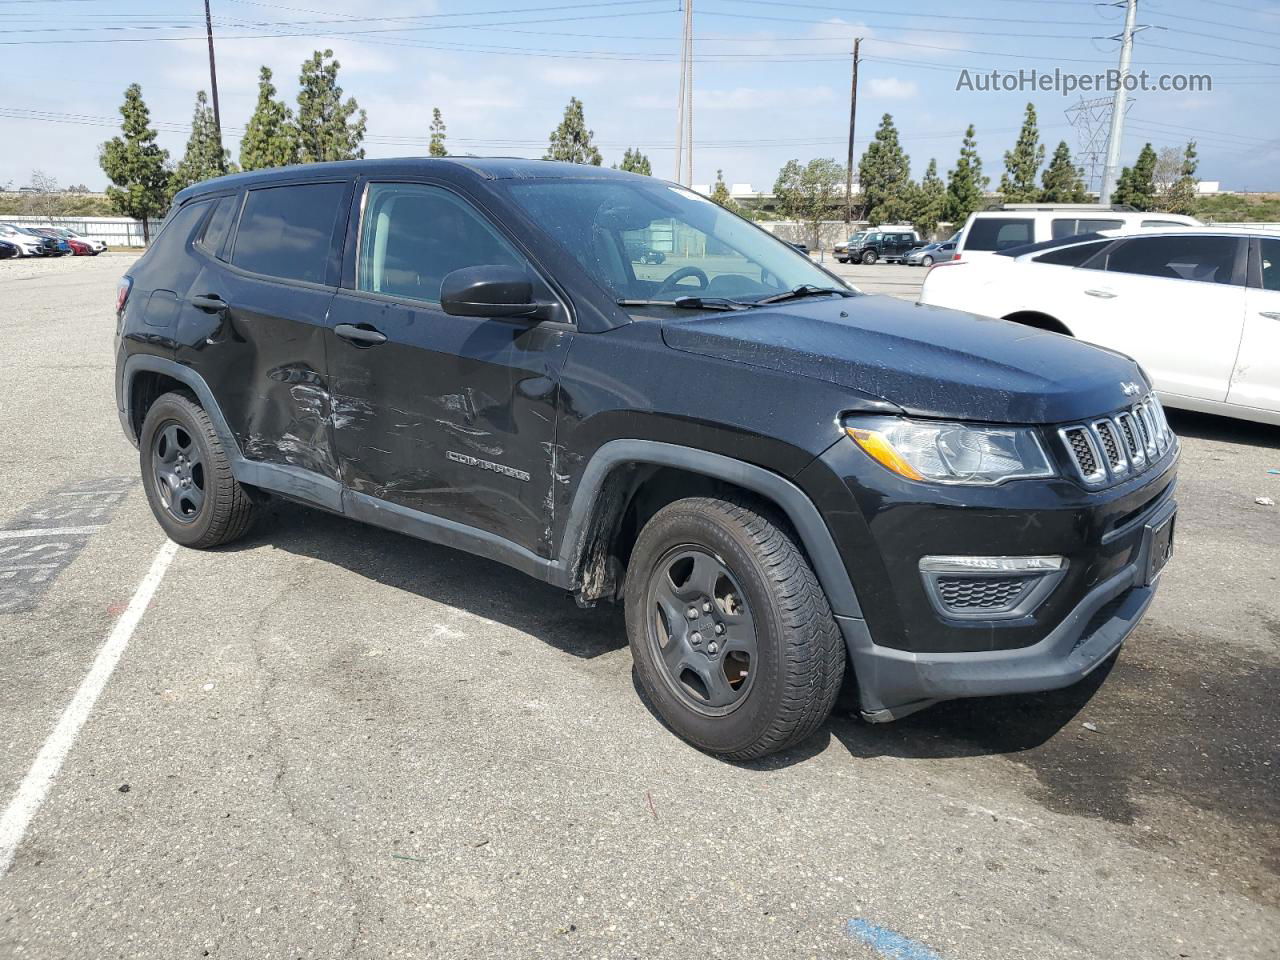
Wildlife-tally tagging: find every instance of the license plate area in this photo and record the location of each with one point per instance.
(1159, 547)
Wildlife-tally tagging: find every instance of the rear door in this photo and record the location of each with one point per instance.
(1255, 382)
(1173, 303)
(448, 416)
(266, 309)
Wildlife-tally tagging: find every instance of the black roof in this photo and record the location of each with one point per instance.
(484, 168)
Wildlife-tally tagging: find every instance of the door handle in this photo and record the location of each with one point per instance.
(1101, 294)
(213, 303)
(361, 334)
(1269, 314)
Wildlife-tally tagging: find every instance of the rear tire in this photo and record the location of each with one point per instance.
(741, 655)
(187, 476)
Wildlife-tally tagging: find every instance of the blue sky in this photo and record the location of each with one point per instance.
(771, 81)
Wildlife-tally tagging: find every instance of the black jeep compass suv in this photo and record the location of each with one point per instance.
(781, 478)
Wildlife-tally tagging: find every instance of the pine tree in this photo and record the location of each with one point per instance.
(205, 157)
(720, 193)
(1063, 182)
(966, 185)
(1136, 186)
(571, 141)
(929, 201)
(328, 128)
(437, 148)
(270, 139)
(1022, 163)
(633, 161)
(136, 165)
(884, 173)
(1181, 197)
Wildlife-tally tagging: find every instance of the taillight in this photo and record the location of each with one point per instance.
(122, 293)
(956, 257)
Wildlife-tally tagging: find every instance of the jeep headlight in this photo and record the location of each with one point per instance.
(933, 452)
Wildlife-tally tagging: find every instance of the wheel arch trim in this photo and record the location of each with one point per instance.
(286, 480)
(799, 509)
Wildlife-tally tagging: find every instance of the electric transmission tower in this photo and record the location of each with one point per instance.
(1091, 120)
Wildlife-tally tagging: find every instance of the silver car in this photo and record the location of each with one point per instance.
(931, 253)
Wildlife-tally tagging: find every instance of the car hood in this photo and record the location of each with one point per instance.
(927, 361)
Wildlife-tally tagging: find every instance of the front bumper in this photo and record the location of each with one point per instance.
(907, 652)
(894, 683)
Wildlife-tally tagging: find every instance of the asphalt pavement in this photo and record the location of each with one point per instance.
(333, 741)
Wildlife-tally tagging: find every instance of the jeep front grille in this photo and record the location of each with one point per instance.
(1125, 443)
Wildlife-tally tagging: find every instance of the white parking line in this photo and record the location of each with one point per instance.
(50, 532)
(35, 785)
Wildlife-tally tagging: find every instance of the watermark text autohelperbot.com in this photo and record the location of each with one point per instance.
(1060, 81)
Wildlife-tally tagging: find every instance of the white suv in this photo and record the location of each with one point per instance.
(1199, 308)
(990, 231)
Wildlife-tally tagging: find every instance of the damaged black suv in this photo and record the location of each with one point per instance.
(783, 479)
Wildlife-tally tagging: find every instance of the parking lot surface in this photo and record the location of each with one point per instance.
(331, 741)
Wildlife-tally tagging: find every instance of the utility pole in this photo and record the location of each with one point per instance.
(684, 105)
(213, 74)
(1112, 170)
(853, 116)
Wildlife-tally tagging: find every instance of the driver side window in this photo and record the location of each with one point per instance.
(413, 235)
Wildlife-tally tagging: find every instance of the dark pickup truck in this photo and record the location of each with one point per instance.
(786, 482)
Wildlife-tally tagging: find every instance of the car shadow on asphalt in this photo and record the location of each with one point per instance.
(1207, 426)
(473, 584)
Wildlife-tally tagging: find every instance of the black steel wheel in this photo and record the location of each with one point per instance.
(187, 475)
(734, 643)
(701, 631)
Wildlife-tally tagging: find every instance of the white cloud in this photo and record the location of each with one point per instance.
(891, 88)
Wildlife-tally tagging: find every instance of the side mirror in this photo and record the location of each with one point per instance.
(490, 290)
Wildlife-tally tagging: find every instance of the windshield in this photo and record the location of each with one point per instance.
(653, 241)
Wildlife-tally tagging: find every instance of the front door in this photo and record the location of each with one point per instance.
(1256, 380)
(448, 416)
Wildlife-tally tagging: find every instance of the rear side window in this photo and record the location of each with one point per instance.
(999, 233)
(215, 230)
(1203, 259)
(177, 227)
(1071, 226)
(1072, 256)
(287, 232)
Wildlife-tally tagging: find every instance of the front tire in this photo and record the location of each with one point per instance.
(926, 262)
(733, 639)
(187, 476)
(869, 257)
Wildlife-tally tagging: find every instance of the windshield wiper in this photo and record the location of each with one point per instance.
(806, 290)
(689, 303)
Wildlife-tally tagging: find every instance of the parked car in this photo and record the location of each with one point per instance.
(454, 349)
(31, 244)
(988, 232)
(1199, 308)
(886, 243)
(80, 249)
(8, 250)
(63, 247)
(940, 251)
(95, 246)
(841, 250)
(802, 247)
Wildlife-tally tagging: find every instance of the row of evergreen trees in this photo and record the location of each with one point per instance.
(323, 127)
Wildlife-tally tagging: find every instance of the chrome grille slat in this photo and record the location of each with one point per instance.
(1127, 442)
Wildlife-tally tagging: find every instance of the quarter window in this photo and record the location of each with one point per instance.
(287, 231)
(414, 235)
(999, 233)
(1270, 264)
(1202, 259)
(215, 230)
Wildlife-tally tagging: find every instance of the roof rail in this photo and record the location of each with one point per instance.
(1056, 207)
